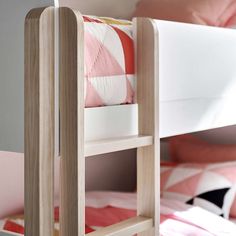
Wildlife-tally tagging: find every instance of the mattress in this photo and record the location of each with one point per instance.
(109, 62)
(107, 208)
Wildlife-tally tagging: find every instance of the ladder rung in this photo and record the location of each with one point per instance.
(116, 144)
(128, 227)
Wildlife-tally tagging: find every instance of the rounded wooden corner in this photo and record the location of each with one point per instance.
(72, 13)
(38, 13)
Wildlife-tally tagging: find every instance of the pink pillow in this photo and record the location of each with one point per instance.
(12, 183)
(188, 148)
(207, 12)
(210, 186)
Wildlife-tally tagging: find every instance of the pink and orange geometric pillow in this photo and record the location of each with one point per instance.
(210, 186)
(109, 62)
(189, 148)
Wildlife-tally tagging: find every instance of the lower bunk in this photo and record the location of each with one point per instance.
(107, 208)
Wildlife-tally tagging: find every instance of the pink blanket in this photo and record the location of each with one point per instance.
(107, 208)
(177, 218)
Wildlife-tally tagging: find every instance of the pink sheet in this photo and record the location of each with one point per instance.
(181, 219)
(177, 219)
(107, 208)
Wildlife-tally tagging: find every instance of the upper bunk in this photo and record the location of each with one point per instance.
(194, 67)
(184, 75)
(193, 70)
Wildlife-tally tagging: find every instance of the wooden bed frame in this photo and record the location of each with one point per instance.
(152, 38)
(40, 125)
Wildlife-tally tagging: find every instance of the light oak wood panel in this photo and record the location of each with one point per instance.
(148, 99)
(116, 144)
(72, 216)
(39, 122)
(128, 227)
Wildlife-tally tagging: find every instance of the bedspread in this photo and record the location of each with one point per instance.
(106, 208)
(109, 62)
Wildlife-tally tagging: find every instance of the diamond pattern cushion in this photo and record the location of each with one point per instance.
(210, 186)
(109, 62)
(189, 148)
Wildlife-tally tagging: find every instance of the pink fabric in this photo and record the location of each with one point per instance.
(109, 62)
(186, 181)
(178, 219)
(105, 65)
(207, 12)
(188, 148)
(12, 183)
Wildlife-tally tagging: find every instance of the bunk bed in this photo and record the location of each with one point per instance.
(185, 83)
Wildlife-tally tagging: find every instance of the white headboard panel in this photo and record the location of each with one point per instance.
(113, 8)
(197, 77)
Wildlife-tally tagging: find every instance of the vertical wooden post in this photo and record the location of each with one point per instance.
(148, 99)
(39, 122)
(72, 220)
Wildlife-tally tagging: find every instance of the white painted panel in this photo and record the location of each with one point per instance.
(197, 77)
(12, 14)
(111, 121)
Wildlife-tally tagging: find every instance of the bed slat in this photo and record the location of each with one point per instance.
(128, 227)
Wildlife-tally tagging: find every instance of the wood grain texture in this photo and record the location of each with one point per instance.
(104, 146)
(72, 219)
(148, 158)
(127, 227)
(39, 122)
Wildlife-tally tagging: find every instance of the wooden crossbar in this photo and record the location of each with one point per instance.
(116, 144)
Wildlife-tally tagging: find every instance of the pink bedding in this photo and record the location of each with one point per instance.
(109, 62)
(177, 219)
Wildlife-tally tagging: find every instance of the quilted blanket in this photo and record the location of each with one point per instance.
(107, 208)
(109, 61)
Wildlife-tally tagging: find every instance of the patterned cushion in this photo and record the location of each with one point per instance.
(109, 61)
(210, 186)
(189, 148)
